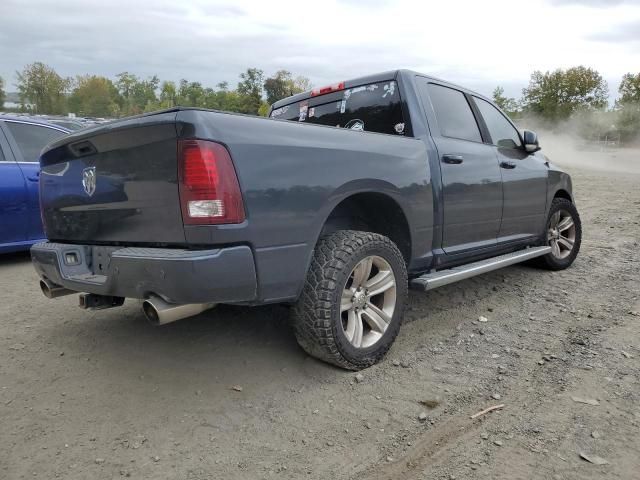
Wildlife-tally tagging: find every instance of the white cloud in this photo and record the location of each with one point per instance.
(477, 44)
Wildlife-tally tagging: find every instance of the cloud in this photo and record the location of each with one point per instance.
(594, 3)
(623, 33)
(201, 42)
(210, 41)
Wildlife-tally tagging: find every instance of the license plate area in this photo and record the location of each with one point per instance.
(100, 259)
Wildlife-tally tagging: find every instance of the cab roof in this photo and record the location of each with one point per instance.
(375, 78)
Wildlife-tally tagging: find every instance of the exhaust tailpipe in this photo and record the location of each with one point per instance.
(51, 290)
(159, 312)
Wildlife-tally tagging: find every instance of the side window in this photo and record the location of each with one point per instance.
(453, 113)
(502, 132)
(31, 139)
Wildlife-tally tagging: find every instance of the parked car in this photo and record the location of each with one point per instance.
(21, 140)
(68, 123)
(422, 183)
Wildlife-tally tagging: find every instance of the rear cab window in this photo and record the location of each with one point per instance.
(374, 107)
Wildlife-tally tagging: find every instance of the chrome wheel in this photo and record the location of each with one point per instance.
(368, 301)
(561, 234)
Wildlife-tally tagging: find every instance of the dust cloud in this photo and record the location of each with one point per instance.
(567, 151)
(565, 148)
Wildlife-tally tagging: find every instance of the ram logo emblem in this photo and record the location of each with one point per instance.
(89, 180)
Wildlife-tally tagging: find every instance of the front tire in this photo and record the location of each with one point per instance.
(352, 302)
(563, 234)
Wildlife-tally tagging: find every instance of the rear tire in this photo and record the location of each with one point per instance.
(563, 233)
(352, 302)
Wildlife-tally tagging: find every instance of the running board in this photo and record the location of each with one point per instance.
(429, 281)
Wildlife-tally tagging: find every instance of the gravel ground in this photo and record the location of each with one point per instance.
(228, 394)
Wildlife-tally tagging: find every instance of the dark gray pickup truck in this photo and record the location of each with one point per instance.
(344, 198)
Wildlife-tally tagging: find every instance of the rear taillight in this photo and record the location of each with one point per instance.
(209, 189)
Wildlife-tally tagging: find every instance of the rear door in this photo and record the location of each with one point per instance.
(524, 178)
(13, 196)
(27, 141)
(471, 178)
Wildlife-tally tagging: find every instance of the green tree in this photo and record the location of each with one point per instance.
(302, 83)
(250, 90)
(629, 89)
(283, 85)
(40, 85)
(508, 104)
(228, 101)
(94, 96)
(628, 108)
(557, 95)
(2, 94)
(263, 111)
(138, 95)
(168, 95)
(225, 99)
(191, 94)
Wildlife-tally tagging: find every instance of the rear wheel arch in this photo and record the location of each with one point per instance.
(372, 212)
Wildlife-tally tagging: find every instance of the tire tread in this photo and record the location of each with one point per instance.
(548, 261)
(312, 315)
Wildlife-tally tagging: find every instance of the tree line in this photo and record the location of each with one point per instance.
(42, 90)
(578, 97)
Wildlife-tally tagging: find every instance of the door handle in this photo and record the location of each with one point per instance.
(507, 164)
(34, 178)
(452, 159)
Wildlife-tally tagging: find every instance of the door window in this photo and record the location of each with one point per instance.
(503, 134)
(31, 139)
(453, 113)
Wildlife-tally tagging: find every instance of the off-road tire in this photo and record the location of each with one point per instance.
(316, 316)
(549, 261)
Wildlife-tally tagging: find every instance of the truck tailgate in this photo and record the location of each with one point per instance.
(114, 184)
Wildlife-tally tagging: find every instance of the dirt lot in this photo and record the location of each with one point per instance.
(104, 394)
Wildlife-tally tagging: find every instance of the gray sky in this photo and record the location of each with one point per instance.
(479, 44)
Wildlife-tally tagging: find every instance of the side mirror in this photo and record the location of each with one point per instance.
(530, 140)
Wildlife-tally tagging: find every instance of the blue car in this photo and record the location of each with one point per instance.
(21, 140)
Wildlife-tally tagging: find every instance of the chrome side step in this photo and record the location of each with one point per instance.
(429, 281)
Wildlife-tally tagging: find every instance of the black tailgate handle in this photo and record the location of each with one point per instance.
(83, 148)
(452, 159)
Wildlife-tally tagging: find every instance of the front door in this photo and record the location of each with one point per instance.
(471, 177)
(524, 178)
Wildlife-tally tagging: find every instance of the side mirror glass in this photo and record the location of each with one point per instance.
(530, 140)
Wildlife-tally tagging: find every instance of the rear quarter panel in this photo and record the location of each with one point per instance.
(293, 175)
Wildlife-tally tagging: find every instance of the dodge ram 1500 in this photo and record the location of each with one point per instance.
(338, 203)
